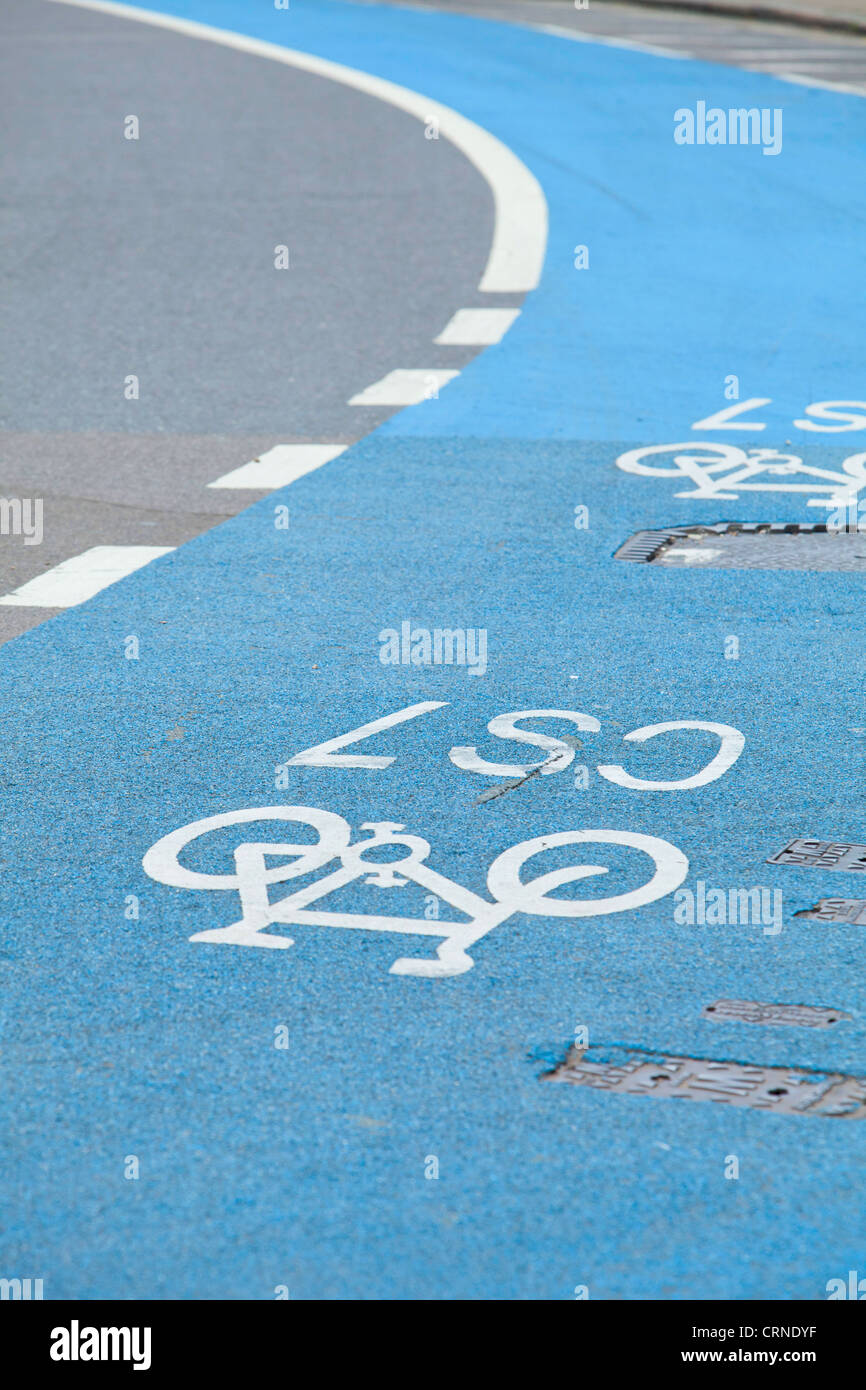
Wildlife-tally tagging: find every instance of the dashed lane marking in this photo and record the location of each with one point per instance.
(279, 466)
(78, 579)
(405, 386)
(476, 327)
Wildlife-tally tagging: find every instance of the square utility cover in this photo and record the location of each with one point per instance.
(733, 545)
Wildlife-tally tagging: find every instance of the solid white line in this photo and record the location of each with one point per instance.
(280, 466)
(700, 56)
(796, 51)
(766, 55)
(802, 81)
(79, 578)
(520, 228)
(561, 33)
(406, 386)
(476, 327)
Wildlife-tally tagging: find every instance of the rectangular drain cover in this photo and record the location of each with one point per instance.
(748, 545)
(785, 1091)
(823, 854)
(791, 1015)
(851, 910)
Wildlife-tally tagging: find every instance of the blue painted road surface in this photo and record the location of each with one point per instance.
(213, 1119)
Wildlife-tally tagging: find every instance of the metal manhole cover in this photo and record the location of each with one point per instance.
(748, 545)
(850, 910)
(823, 854)
(781, 1015)
(784, 1090)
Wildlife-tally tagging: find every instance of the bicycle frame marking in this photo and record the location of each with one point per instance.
(702, 463)
(509, 893)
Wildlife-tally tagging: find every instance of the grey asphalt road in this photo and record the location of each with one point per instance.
(155, 258)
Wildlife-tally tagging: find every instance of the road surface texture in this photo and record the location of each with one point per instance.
(436, 869)
(154, 258)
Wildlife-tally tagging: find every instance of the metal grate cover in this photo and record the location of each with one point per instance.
(783, 1090)
(789, 1015)
(748, 545)
(851, 910)
(823, 854)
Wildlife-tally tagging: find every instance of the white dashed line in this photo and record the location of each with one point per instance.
(79, 578)
(406, 386)
(279, 466)
(477, 327)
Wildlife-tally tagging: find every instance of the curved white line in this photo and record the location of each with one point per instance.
(520, 227)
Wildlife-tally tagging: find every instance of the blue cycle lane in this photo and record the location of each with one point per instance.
(286, 1109)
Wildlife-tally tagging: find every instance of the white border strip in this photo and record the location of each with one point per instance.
(638, 46)
(520, 228)
(732, 59)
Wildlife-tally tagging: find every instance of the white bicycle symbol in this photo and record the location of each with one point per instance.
(252, 879)
(704, 463)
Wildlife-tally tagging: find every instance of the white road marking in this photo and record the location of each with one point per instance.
(405, 386)
(720, 55)
(802, 81)
(731, 745)
(510, 892)
(520, 225)
(477, 327)
(326, 754)
(561, 33)
(279, 466)
(76, 580)
(559, 752)
(766, 55)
